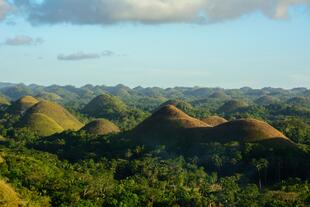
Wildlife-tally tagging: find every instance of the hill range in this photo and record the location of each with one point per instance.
(167, 125)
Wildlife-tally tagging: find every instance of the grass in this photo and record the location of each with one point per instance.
(57, 113)
(8, 197)
(41, 124)
(4, 101)
(101, 127)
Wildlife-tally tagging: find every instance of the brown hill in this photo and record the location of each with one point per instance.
(57, 113)
(214, 120)
(21, 105)
(101, 127)
(171, 126)
(243, 130)
(165, 126)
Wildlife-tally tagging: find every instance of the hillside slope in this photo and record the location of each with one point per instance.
(57, 113)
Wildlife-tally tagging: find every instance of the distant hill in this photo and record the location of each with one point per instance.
(8, 196)
(299, 101)
(22, 105)
(214, 120)
(219, 95)
(232, 106)
(55, 112)
(48, 96)
(15, 92)
(101, 127)
(180, 104)
(105, 106)
(266, 100)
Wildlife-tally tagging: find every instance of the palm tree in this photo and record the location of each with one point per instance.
(260, 165)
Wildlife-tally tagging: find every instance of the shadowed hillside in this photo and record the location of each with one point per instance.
(101, 127)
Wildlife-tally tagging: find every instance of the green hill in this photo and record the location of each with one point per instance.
(232, 106)
(101, 127)
(57, 113)
(105, 106)
(266, 100)
(180, 104)
(21, 105)
(41, 124)
(219, 95)
(48, 96)
(4, 101)
(299, 101)
(8, 197)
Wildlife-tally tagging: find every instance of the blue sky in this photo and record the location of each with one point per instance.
(232, 47)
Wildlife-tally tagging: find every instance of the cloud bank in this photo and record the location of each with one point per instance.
(4, 9)
(152, 11)
(22, 40)
(84, 56)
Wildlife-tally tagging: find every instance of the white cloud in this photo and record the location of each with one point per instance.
(22, 40)
(4, 9)
(153, 11)
(84, 56)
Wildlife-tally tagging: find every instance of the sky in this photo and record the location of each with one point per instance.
(165, 43)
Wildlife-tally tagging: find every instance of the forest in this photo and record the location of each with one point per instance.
(183, 146)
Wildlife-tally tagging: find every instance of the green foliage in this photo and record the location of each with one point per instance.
(84, 169)
(295, 128)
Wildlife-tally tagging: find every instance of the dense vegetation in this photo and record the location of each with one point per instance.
(80, 168)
